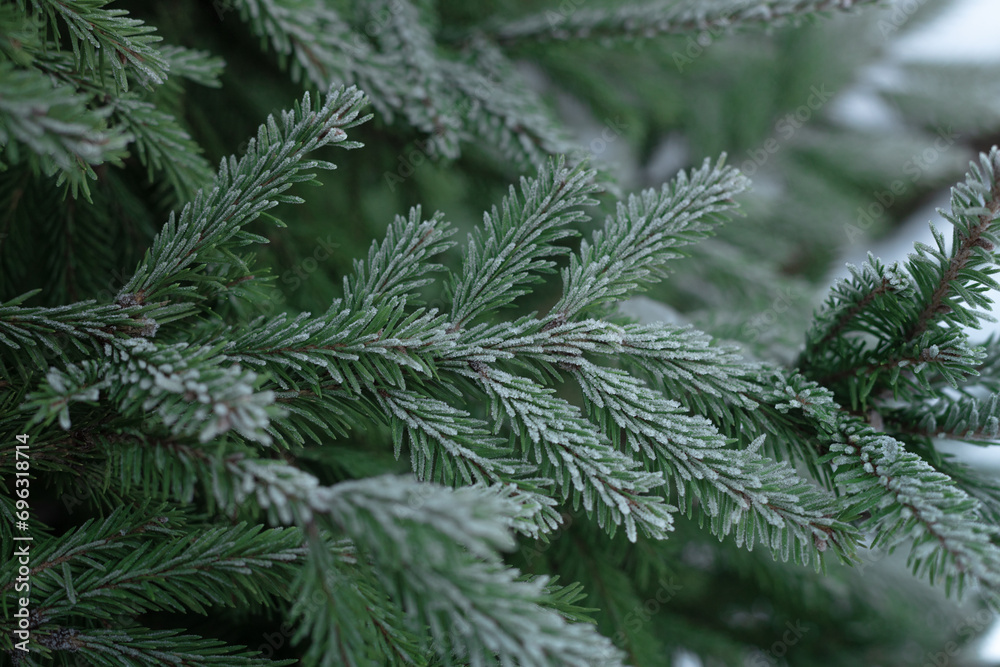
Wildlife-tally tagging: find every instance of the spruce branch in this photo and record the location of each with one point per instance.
(402, 78)
(104, 38)
(519, 628)
(160, 140)
(862, 372)
(517, 240)
(143, 647)
(195, 65)
(448, 446)
(985, 375)
(446, 542)
(396, 267)
(903, 497)
(479, 97)
(356, 349)
(574, 449)
(429, 103)
(863, 303)
(500, 111)
(968, 419)
(644, 21)
(731, 391)
(366, 352)
(163, 145)
(343, 609)
(951, 284)
(739, 490)
(118, 534)
(915, 320)
(211, 225)
(680, 357)
(976, 483)
(184, 386)
(475, 453)
(893, 491)
(644, 234)
(798, 415)
(137, 560)
(593, 467)
(321, 45)
(513, 425)
(569, 449)
(706, 377)
(78, 328)
(63, 135)
(103, 576)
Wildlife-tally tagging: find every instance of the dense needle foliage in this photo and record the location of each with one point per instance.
(422, 414)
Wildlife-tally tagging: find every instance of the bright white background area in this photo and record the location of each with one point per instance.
(965, 32)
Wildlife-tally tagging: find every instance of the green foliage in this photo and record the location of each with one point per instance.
(466, 451)
(61, 133)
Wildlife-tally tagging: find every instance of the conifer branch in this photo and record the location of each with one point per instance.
(446, 541)
(570, 450)
(343, 609)
(516, 240)
(94, 571)
(81, 327)
(968, 419)
(898, 494)
(851, 304)
(704, 376)
(181, 391)
(917, 327)
(678, 356)
(478, 455)
(322, 46)
(144, 647)
(798, 415)
(985, 375)
(410, 50)
(739, 490)
(478, 98)
(903, 497)
(197, 66)
(644, 21)
(396, 267)
(977, 484)
(912, 369)
(184, 386)
(160, 140)
(219, 566)
(356, 349)
(63, 135)
(104, 38)
(243, 189)
(965, 278)
(163, 145)
(644, 234)
(500, 111)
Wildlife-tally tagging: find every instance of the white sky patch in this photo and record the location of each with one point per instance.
(967, 32)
